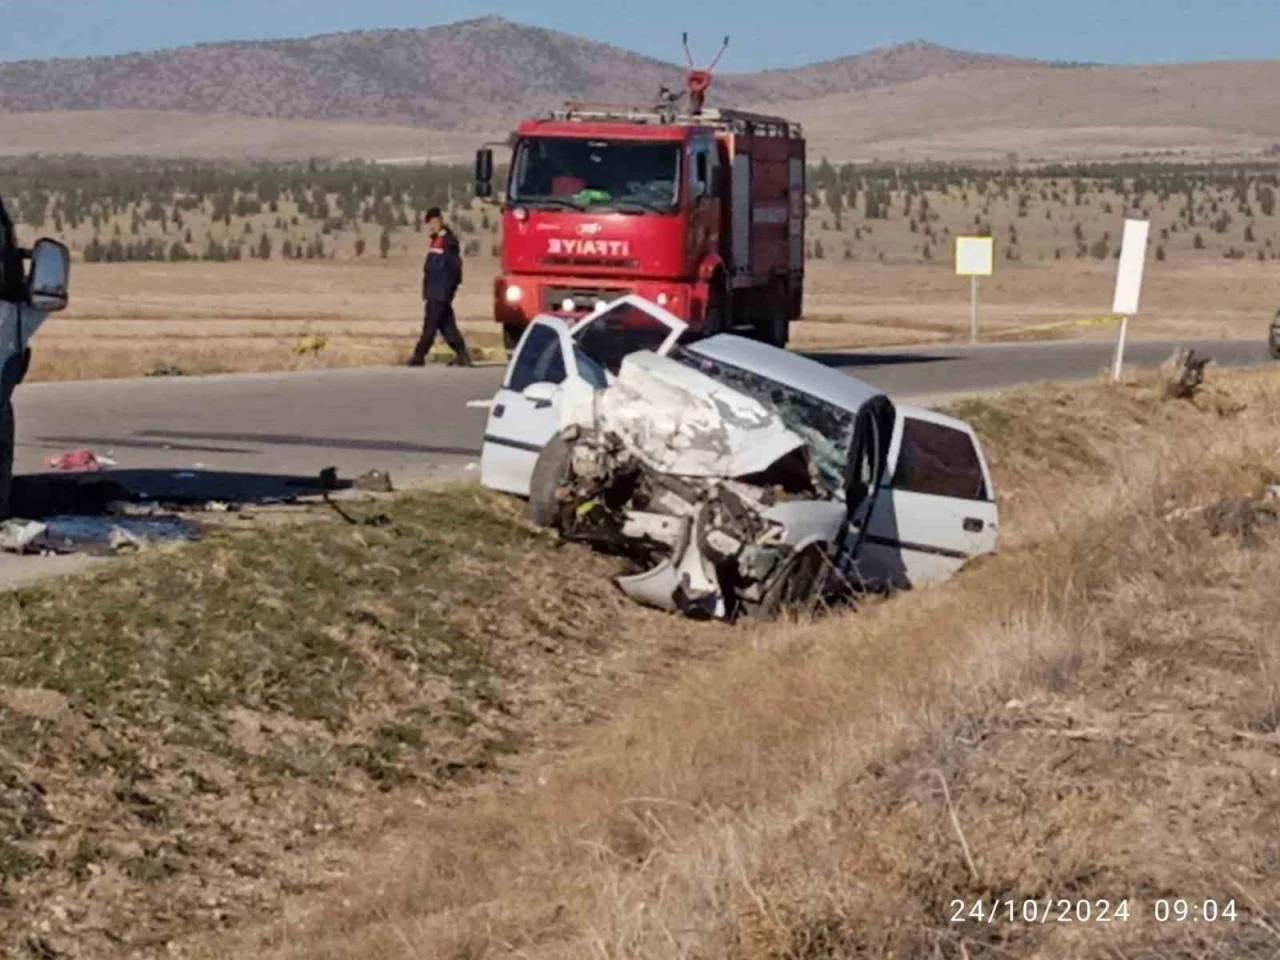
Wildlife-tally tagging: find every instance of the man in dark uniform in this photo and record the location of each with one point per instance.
(441, 275)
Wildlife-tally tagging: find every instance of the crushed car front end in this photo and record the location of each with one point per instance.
(716, 496)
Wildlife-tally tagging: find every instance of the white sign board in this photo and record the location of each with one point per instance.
(1133, 257)
(975, 256)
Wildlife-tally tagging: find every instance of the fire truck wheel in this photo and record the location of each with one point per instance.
(774, 328)
(510, 336)
(714, 320)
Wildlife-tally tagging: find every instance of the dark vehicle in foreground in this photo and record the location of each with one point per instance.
(33, 284)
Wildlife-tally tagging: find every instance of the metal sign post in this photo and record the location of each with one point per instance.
(975, 257)
(973, 309)
(1133, 258)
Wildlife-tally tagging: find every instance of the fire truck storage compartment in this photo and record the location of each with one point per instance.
(766, 208)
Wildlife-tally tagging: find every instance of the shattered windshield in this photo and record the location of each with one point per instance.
(593, 174)
(826, 428)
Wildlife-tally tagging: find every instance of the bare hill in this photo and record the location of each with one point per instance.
(1205, 109)
(467, 75)
(436, 93)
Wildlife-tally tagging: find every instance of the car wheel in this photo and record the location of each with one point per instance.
(797, 586)
(6, 457)
(511, 336)
(549, 474)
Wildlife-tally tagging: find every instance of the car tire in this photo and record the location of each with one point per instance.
(549, 475)
(796, 588)
(6, 458)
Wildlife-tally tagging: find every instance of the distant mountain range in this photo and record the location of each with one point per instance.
(463, 75)
(366, 93)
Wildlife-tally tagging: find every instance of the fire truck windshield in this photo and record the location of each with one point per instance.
(627, 175)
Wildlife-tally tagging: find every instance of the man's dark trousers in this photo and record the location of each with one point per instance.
(440, 319)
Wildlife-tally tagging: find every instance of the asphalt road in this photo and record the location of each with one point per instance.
(238, 436)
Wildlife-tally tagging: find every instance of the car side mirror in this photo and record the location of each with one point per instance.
(541, 393)
(47, 281)
(484, 173)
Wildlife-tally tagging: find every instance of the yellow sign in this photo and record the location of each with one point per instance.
(975, 256)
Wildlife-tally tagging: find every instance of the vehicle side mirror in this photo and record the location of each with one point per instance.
(48, 278)
(541, 393)
(484, 173)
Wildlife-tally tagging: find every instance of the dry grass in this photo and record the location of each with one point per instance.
(183, 734)
(127, 319)
(877, 283)
(873, 286)
(1091, 698)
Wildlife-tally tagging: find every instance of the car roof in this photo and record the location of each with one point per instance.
(810, 376)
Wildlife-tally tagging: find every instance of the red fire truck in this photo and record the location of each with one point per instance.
(699, 210)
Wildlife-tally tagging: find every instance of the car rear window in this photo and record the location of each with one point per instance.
(940, 461)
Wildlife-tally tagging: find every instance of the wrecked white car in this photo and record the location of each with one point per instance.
(742, 479)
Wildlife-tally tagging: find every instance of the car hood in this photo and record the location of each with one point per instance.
(684, 423)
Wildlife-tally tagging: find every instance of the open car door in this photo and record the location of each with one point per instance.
(935, 509)
(627, 325)
(524, 414)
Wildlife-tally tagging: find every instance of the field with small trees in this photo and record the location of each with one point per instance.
(199, 267)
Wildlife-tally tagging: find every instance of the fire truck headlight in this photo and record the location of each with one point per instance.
(513, 294)
(663, 299)
(568, 305)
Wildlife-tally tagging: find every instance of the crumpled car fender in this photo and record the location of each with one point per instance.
(806, 522)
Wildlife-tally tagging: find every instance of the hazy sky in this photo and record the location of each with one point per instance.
(764, 33)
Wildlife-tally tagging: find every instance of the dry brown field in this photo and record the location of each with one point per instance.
(870, 282)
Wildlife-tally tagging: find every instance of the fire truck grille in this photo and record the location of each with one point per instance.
(588, 262)
(584, 298)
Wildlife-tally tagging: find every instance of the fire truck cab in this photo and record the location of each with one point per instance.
(700, 211)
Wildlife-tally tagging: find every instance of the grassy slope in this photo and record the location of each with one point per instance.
(178, 736)
(189, 741)
(1100, 701)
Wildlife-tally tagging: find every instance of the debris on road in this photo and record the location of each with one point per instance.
(17, 536)
(166, 370)
(375, 481)
(107, 534)
(1184, 373)
(74, 461)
